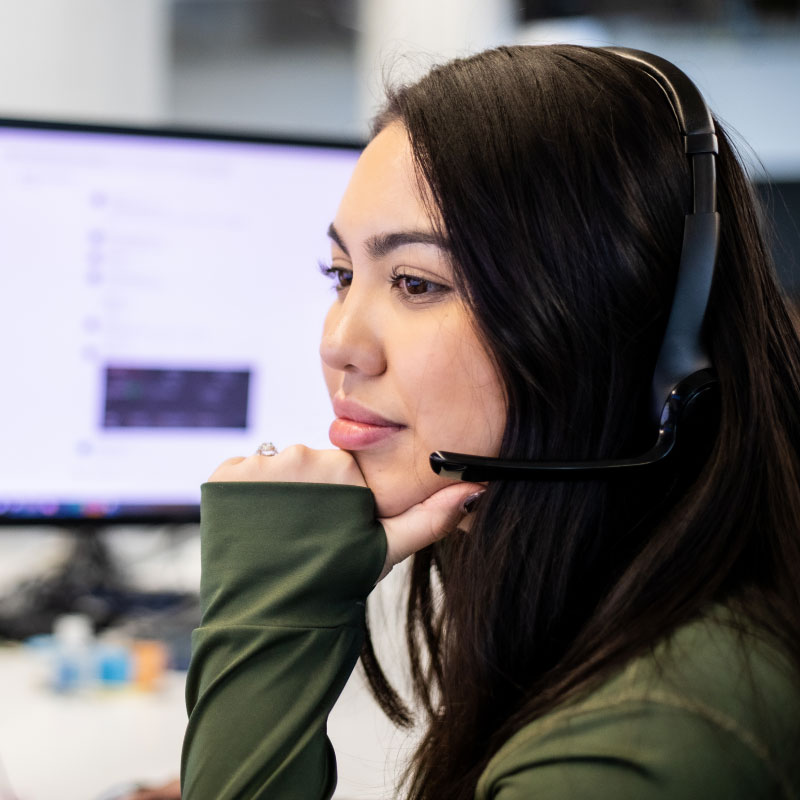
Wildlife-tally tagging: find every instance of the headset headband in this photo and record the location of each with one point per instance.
(683, 370)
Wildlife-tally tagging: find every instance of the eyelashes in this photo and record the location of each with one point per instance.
(412, 287)
(339, 276)
(416, 286)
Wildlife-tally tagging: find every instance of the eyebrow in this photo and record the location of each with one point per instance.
(382, 244)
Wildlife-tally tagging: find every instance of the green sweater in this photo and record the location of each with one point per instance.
(286, 569)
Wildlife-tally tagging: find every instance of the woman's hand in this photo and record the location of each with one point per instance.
(427, 522)
(406, 533)
(295, 464)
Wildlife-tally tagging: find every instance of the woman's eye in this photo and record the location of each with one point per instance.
(414, 286)
(341, 277)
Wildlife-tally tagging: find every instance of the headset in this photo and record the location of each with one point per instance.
(683, 372)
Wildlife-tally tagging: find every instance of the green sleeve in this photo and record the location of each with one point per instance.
(286, 568)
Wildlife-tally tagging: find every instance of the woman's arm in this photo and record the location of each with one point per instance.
(286, 570)
(290, 550)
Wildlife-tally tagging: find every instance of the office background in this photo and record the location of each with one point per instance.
(314, 68)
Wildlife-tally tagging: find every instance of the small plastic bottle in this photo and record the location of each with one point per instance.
(73, 658)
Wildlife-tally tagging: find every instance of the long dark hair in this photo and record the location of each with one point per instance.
(561, 184)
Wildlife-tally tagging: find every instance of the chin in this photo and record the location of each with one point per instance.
(397, 489)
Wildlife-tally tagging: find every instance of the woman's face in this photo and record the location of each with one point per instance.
(405, 369)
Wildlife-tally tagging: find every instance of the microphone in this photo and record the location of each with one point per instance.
(682, 401)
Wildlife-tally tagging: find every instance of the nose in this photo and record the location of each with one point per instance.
(352, 340)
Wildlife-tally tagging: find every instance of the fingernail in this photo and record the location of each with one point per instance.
(471, 502)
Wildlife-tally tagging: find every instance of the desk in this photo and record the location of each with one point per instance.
(78, 746)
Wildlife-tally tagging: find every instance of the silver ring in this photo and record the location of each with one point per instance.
(267, 449)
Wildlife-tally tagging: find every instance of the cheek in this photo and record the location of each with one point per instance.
(461, 405)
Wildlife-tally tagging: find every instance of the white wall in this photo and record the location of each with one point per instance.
(84, 59)
(402, 39)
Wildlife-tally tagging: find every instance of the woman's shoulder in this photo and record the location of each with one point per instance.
(712, 712)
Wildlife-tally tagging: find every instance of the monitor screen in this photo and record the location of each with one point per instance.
(161, 311)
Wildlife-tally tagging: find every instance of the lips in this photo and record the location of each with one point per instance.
(357, 427)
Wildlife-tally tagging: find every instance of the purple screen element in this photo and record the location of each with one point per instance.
(175, 398)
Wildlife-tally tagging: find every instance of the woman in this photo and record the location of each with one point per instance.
(504, 260)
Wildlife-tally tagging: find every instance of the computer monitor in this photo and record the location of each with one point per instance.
(161, 311)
